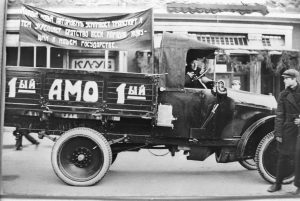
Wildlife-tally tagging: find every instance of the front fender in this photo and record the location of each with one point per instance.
(253, 135)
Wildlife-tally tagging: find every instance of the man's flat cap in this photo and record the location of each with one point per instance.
(236, 82)
(290, 73)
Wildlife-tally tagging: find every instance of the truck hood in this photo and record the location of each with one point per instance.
(252, 99)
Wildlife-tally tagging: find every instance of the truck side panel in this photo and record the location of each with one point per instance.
(80, 94)
(23, 90)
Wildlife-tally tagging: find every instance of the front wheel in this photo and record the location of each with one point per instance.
(81, 157)
(266, 160)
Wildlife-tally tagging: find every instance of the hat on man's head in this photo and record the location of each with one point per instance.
(292, 73)
(234, 82)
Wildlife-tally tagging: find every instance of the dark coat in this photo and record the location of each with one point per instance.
(287, 110)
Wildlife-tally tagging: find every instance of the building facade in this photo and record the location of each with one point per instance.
(258, 41)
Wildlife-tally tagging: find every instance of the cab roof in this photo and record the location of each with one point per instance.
(175, 52)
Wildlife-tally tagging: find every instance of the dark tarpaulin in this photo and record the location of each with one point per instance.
(173, 53)
(215, 8)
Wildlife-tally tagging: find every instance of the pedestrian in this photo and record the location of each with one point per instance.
(287, 124)
(236, 85)
(19, 138)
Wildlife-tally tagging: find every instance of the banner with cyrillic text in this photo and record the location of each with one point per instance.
(118, 32)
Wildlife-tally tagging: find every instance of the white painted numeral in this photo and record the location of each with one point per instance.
(12, 87)
(121, 93)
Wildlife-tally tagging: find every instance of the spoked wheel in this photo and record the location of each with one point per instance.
(81, 157)
(266, 159)
(249, 164)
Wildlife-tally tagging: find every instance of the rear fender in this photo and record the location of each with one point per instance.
(253, 135)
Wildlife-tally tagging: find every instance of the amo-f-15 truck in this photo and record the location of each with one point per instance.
(97, 115)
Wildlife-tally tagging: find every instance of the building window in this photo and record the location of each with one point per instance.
(158, 37)
(56, 60)
(221, 39)
(11, 56)
(272, 40)
(26, 58)
(41, 56)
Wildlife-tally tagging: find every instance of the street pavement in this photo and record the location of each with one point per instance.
(28, 175)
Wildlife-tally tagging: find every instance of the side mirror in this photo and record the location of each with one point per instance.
(219, 89)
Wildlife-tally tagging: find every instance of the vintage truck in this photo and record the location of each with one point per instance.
(93, 116)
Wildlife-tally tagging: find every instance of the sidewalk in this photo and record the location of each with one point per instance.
(8, 137)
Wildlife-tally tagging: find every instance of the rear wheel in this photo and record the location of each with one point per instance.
(81, 157)
(266, 159)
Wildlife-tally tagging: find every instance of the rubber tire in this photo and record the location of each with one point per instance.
(259, 158)
(90, 135)
(246, 164)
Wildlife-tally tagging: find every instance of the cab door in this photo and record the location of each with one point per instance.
(190, 109)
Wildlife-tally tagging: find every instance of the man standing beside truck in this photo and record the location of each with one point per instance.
(287, 127)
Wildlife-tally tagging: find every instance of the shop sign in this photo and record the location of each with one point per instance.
(92, 64)
(118, 32)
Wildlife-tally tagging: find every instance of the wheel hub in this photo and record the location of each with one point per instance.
(81, 157)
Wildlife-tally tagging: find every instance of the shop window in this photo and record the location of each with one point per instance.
(240, 64)
(221, 64)
(56, 59)
(41, 56)
(26, 58)
(266, 42)
(272, 40)
(11, 56)
(158, 37)
(143, 61)
(222, 39)
(271, 83)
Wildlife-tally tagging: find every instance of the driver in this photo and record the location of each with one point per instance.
(195, 74)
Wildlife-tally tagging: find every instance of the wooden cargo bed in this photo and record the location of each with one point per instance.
(69, 93)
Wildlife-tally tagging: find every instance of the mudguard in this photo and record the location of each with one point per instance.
(250, 131)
